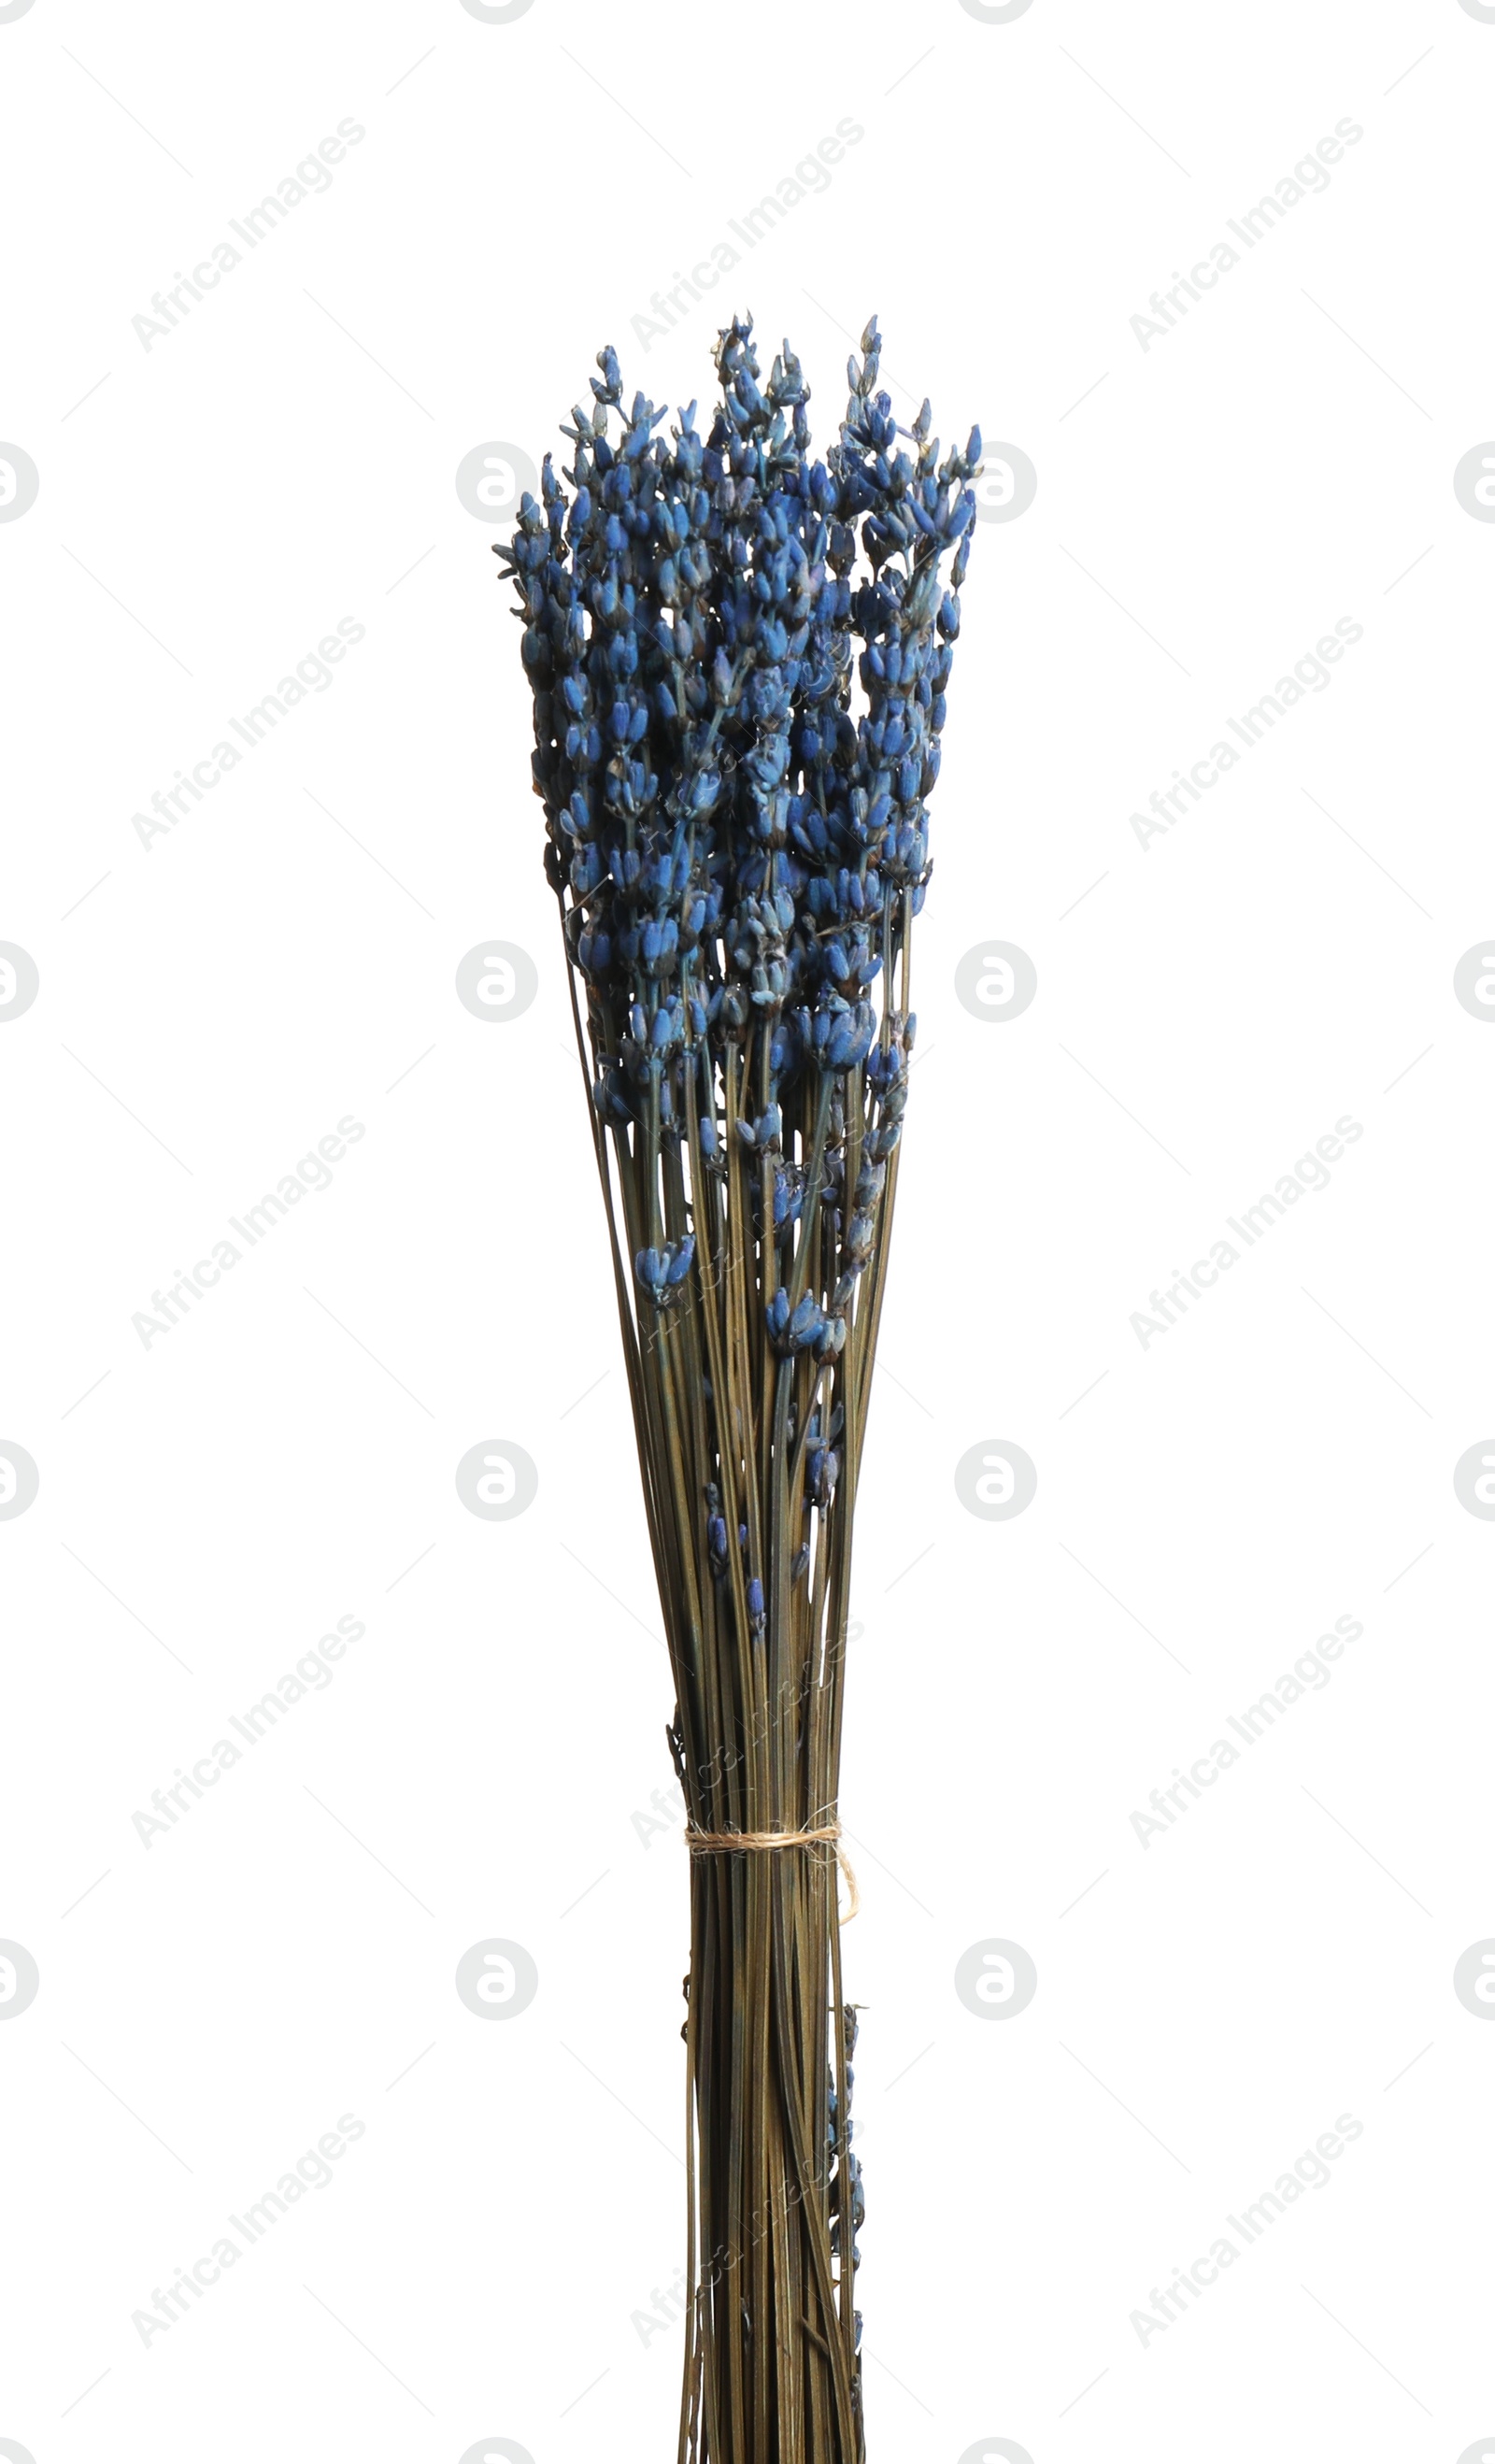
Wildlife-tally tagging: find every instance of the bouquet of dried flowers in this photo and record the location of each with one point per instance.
(739, 854)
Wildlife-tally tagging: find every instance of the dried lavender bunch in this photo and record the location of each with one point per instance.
(740, 855)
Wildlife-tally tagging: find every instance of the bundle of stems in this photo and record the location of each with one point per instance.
(738, 857)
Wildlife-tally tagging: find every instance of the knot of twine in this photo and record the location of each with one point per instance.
(726, 1843)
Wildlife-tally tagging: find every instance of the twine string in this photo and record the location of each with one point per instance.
(726, 1843)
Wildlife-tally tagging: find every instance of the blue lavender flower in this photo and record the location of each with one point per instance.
(663, 1270)
(731, 842)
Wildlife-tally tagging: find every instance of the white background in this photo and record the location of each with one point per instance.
(492, 2258)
